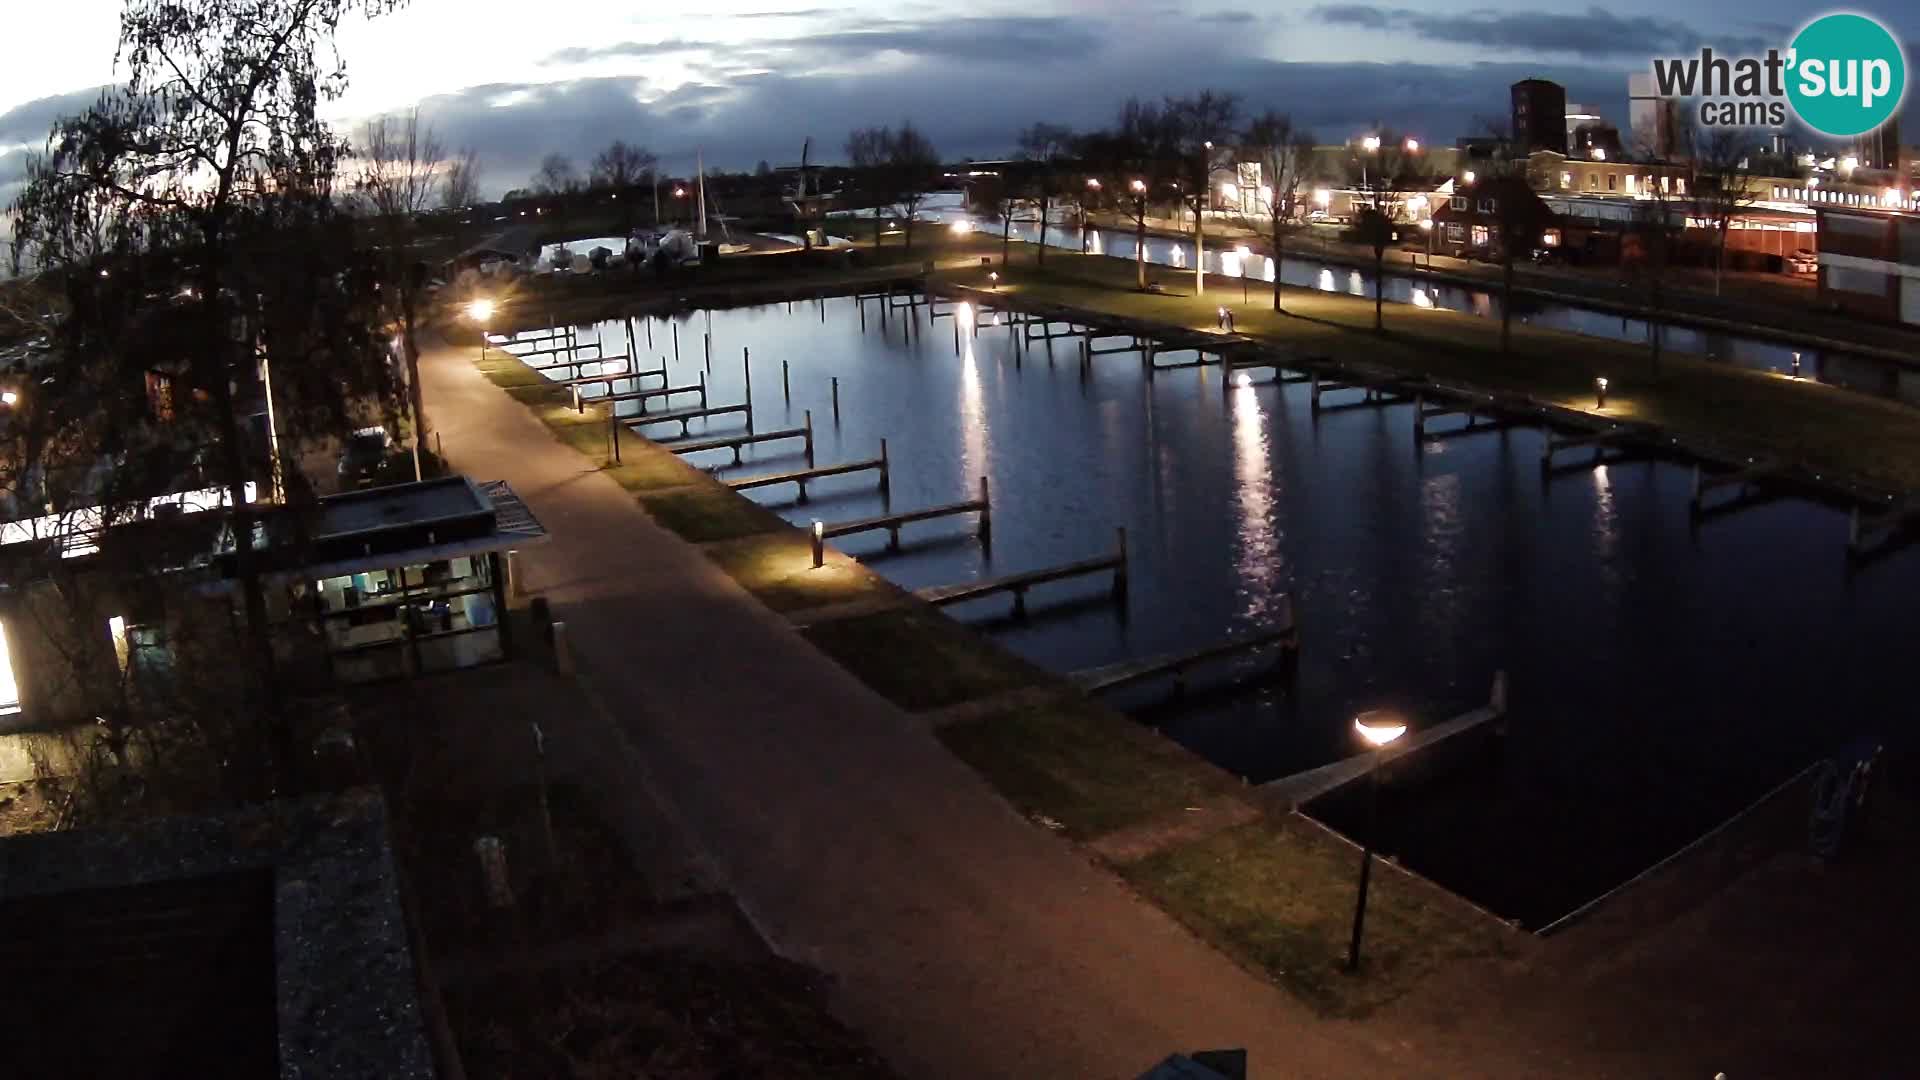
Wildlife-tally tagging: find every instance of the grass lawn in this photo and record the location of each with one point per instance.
(777, 568)
(1278, 894)
(1087, 767)
(1873, 440)
(920, 659)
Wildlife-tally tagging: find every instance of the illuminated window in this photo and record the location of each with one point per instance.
(1480, 236)
(9, 688)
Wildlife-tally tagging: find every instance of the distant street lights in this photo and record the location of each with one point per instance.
(1379, 728)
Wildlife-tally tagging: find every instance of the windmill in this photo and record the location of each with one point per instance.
(805, 196)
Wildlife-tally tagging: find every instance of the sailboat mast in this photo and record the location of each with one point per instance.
(701, 195)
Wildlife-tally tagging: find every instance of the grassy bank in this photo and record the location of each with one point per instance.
(1058, 757)
(1874, 441)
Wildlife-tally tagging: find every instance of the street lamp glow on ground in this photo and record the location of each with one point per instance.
(1378, 728)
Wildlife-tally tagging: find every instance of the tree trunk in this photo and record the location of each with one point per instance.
(1040, 252)
(1199, 253)
(1140, 248)
(1279, 236)
(415, 403)
(908, 237)
(1006, 235)
(876, 225)
(1379, 279)
(1506, 300)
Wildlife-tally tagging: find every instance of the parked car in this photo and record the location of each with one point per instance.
(366, 451)
(1803, 261)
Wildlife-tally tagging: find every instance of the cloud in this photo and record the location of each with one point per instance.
(1597, 32)
(1228, 18)
(1000, 39)
(28, 124)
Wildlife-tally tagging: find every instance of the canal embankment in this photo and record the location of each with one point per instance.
(1860, 447)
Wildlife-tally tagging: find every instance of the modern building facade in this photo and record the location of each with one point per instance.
(1540, 116)
(1653, 122)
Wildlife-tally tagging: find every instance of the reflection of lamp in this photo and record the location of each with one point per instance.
(1379, 727)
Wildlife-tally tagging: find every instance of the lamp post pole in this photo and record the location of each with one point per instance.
(1379, 727)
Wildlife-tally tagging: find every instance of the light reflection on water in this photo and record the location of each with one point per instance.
(1660, 677)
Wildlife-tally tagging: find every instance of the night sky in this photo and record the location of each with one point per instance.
(743, 81)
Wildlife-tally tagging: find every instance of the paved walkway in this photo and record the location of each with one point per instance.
(964, 941)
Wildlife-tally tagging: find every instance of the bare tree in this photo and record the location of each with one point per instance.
(868, 150)
(915, 167)
(1283, 154)
(1048, 150)
(1199, 127)
(210, 175)
(1387, 169)
(623, 167)
(1659, 219)
(1133, 163)
(460, 187)
(556, 176)
(401, 162)
(1501, 190)
(1722, 189)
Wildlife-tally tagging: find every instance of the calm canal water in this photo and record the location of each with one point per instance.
(1661, 677)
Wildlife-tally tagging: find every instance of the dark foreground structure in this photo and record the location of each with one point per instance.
(266, 942)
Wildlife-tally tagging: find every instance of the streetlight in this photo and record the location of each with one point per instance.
(1467, 176)
(1371, 144)
(1413, 146)
(8, 397)
(480, 311)
(1378, 727)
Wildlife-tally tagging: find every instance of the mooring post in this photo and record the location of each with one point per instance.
(786, 390)
(708, 346)
(1853, 529)
(649, 330)
(836, 401)
(562, 651)
(613, 432)
(1315, 393)
(633, 349)
(956, 336)
(676, 343)
(809, 438)
(746, 368)
(886, 482)
(515, 590)
(1146, 357)
(703, 390)
(575, 388)
(986, 512)
(863, 314)
(1120, 565)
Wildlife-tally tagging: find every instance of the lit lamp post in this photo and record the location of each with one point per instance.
(1600, 391)
(993, 280)
(819, 544)
(1093, 192)
(1371, 144)
(1378, 727)
(481, 312)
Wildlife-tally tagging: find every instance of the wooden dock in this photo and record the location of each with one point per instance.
(626, 372)
(1872, 534)
(800, 478)
(893, 522)
(1599, 441)
(1478, 417)
(1740, 480)
(1304, 787)
(1370, 397)
(687, 416)
(659, 392)
(1018, 584)
(1177, 664)
(550, 350)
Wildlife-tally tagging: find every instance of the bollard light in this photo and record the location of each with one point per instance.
(993, 279)
(1796, 368)
(1600, 391)
(819, 544)
(1380, 726)
(8, 397)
